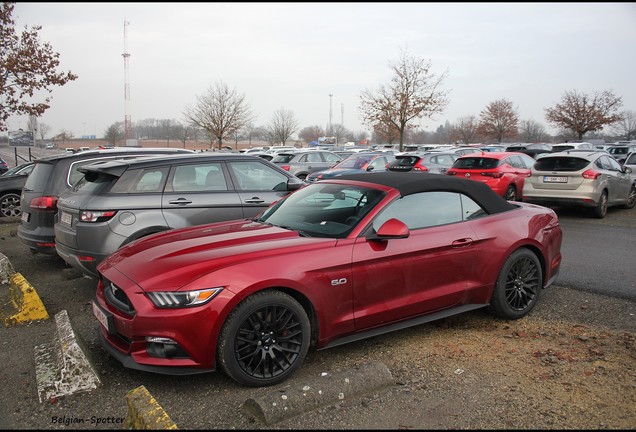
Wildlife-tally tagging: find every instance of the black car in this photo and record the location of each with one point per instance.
(620, 152)
(531, 149)
(11, 183)
(53, 175)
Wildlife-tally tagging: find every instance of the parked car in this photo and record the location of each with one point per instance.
(461, 151)
(503, 172)
(3, 166)
(360, 162)
(11, 184)
(620, 152)
(531, 149)
(584, 179)
(555, 148)
(301, 163)
(119, 201)
(53, 175)
(630, 162)
(436, 162)
(370, 253)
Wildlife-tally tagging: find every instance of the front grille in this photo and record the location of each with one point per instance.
(117, 298)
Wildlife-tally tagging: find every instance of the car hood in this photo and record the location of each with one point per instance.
(174, 258)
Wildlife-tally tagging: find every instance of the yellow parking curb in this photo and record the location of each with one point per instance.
(25, 300)
(145, 413)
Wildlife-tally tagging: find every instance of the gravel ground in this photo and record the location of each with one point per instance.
(570, 364)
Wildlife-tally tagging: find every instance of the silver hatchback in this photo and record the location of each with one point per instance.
(120, 201)
(590, 179)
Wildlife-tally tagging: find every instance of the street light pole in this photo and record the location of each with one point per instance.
(330, 114)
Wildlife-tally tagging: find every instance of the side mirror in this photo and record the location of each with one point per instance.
(627, 170)
(391, 229)
(295, 184)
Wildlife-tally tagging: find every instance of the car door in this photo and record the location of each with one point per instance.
(257, 183)
(199, 193)
(619, 182)
(428, 271)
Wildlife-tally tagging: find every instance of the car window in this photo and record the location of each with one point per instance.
(514, 161)
(313, 157)
(255, 175)
(140, 180)
(631, 159)
(613, 164)
(202, 177)
(330, 157)
(423, 210)
(528, 161)
(282, 158)
(566, 163)
(476, 163)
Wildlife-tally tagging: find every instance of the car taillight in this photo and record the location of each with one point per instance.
(419, 167)
(285, 167)
(591, 174)
(492, 174)
(44, 203)
(97, 216)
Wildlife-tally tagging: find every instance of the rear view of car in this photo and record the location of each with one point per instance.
(50, 177)
(504, 172)
(120, 201)
(436, 162)
(593, 180)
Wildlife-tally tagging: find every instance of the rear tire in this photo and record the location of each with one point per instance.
(10, 205)
(631, 200)
(518, 286)
(601, 208)
(264, 339)
(510, 194)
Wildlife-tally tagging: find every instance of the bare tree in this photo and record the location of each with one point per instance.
(465, 130)
(311, 133)
(531, 131)
(283, 125)
(43, 130)
(626, 127)
(26, 66)
(385, 133)
(413, 93)
(582, 113)
(114, 133)
(499, 120)
(220, 112)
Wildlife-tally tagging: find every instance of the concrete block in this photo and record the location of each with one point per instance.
(145, 413)
(303, 396)
(26, 305)
(63, 366)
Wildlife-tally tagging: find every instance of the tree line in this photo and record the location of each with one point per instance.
(392, 111)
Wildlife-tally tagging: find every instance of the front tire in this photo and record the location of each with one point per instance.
(518, 286)
(264, 339)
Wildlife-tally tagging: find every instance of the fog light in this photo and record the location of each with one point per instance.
(162, 347)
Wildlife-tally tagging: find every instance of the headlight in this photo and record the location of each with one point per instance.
(181, 299)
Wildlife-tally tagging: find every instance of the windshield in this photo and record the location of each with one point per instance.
(323, 210)
(476, 163)
(354, 162)
(617, 150)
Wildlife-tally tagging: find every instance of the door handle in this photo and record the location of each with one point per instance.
(462, 242)
(180, 201)
(254, 200)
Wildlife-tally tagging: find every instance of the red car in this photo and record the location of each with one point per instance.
(336, 261)
(503, 172)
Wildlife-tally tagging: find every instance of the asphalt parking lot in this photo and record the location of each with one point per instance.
(569, 364)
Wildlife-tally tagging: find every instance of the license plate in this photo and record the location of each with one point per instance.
(66, 218)
(25, 217)
(101, 316)
(550, 179)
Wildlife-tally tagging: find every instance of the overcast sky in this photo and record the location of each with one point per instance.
(292, 56)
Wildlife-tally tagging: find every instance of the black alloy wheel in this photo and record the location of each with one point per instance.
(510, 194)
(264, 340)
(518, 286)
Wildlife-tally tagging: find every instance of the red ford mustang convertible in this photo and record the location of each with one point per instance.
(334, 262)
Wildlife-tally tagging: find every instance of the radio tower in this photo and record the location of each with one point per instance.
(125, 55)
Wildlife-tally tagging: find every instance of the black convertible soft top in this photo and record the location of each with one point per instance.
(410, 183)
